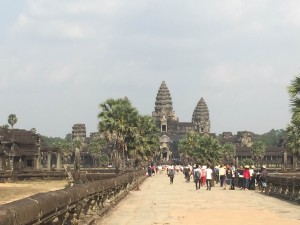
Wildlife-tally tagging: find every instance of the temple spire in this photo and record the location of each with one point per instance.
(200, 120)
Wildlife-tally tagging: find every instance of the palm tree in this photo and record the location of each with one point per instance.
(293, 140)
(116, 121)
(293, 129)
(12, 120)
(144, 143)
(258, 151)
(294, 91)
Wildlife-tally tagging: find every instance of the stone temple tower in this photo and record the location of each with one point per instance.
(200, 119)
(163, 113)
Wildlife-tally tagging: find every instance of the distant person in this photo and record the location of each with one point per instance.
(262, 178)
(203, 176)
(197, 176)
(171, 174)
(234, 173)
(228, 178)
(222, 174)
(246, 175)
(209, 176)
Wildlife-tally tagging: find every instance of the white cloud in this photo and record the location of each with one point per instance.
(235, 54)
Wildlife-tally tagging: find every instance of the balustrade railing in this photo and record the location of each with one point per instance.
(79, 204)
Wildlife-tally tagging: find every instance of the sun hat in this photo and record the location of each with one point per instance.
(264, 166)
(247, 167)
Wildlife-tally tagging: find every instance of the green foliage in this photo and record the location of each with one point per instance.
(228, 153)
(294, 90)
(258, 150)
(50, 142)
(12, 120)
(247, 161)
(271, 138)
(5, 126)
(130, 132)
(202, 149)
(293, 137)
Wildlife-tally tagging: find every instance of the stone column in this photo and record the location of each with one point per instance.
(58, 161)
(49, 161)
(284, 159)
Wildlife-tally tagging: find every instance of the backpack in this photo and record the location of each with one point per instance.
(171, 173)
(197, 174)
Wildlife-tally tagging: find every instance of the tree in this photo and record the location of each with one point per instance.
(33, 130)
(293, 140)
(5, 126)
(200, 148)
(187, 146)
(293, 137)
(12, 120)
(145, 140)
(95, 147)
(294, 91)
(228, 153)
(116, 121)
(258, 151)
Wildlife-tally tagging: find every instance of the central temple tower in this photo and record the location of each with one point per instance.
(171, 130)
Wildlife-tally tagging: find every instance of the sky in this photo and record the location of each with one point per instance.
(59, 59)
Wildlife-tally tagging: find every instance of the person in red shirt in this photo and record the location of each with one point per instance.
(246, 175)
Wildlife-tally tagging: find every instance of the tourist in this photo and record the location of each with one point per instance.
(233, 171)
(171, 174)
(203, 176)
(240, 177)
(197, 176)
(228, 177)
(187, 174)
(246, 175)
(149, 171)
(216, 174)
(222, 174)
(262, 178)
(209, 175)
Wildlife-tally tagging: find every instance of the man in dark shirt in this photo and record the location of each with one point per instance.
(262, 178)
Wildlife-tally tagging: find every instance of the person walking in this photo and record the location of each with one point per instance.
(222, 174)
(197, 176)
(233, 171)
(228, 178)
(171, 174)
(203, 176)
(209, 175)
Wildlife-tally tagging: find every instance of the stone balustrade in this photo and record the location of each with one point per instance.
(79, 204)
(284, 186)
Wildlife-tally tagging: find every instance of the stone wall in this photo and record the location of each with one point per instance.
(80, 204)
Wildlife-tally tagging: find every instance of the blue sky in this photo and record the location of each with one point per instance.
(59, 59)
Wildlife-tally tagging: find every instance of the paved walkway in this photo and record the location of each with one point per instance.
(159, 203)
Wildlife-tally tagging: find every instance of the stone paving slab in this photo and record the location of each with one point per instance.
(162, 203)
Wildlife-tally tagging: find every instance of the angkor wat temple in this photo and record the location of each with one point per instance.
(22, 150)
(171, 129)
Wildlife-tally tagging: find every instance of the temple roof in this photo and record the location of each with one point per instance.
(18, 136)
(201, 111)
(163, 99)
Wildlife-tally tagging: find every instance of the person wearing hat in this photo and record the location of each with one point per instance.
(246, 175)
(262, 178)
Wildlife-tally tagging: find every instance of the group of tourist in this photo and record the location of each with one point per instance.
(245, 178)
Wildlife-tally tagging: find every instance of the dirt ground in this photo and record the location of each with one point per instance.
(12, 191)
